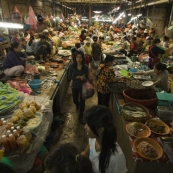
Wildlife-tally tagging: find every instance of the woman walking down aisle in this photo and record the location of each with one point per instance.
(96, 54)
(78, 73)
(104, 152)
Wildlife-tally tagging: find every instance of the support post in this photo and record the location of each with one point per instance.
(90, 12)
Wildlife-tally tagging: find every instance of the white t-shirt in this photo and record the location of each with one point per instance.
(30, 48)
(117, 163)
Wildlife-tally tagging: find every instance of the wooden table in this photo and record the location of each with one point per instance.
(3, 46)
(58, 90)
(124, 141)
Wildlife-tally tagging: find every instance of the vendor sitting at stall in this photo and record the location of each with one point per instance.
(133, 47)
(15, 61)
(125, 45)
(154, 51)
(15, 37)
(159, 76)
(43, 49)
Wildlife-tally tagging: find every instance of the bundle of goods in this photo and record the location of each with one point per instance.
(9, 97)
(117, 87)
(148, 148)
(16, 16)
(134, 112)
(137, 129)
(16, 132)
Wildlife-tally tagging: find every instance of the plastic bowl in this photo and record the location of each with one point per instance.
(149, 103)
(35, 83)
(133, 70)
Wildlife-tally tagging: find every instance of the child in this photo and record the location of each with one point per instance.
(104, 152)
(65, 159)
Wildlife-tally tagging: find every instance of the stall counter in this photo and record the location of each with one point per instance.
(123, 140)
(24, 162)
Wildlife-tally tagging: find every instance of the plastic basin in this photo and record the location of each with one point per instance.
(35, 83)
(133, 70)
(149, 103)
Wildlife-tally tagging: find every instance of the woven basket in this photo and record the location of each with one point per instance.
(117, 87)
(130, 118)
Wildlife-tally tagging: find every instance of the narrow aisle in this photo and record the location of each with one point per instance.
(72, 130)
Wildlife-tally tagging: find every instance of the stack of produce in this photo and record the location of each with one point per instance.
(14, 135)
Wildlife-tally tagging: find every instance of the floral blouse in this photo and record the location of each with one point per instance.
(106, 76)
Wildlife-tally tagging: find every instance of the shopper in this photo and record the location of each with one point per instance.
(159, 76)
(78, 73)
(15, 60)
(66, 159)
(125, 46)
(82, 36)
(88, 50)
(104, 152)
(154, 51)
(96, 55)
(106, 76)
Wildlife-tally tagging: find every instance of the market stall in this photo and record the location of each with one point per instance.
(135, 162)
(25, 122)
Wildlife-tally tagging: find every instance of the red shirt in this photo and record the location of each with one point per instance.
(134, 46)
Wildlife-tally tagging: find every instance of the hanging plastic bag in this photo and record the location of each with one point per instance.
(95, 65)
(90, 77)
(30, 69)
(16, 16)
(87, 90)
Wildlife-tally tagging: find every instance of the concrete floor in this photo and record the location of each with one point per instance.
(72, 130)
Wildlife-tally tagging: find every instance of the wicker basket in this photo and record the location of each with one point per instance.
(117, 87)
(130, 118)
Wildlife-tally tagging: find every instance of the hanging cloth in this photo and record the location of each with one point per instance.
(16, 16)
(31, 19)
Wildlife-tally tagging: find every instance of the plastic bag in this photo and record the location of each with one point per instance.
(94, 64)
(22, 143)
(30, 69)
(90, 78)
(87, 90)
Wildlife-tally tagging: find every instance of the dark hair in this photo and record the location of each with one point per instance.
(109, 58)
(31, 40)
(156, 40)
(83, 32)
(95, 38)
(134, 38)
(43, 37)
(14, 45)
(65, 159)
(5, 168)
(78, 52)
(100, 117)
(160, 66)
(77, 45)
(73, 53)
(138, 35)
(165, 38)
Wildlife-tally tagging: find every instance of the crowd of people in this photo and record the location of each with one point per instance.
(103, 154)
